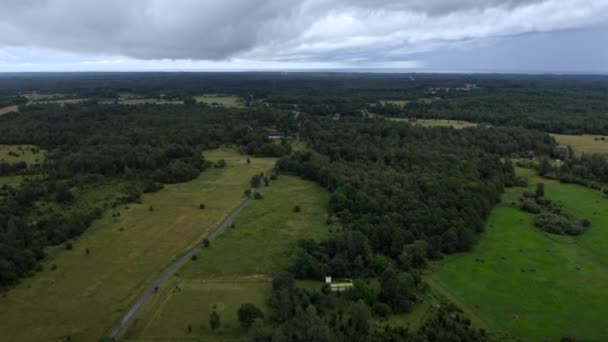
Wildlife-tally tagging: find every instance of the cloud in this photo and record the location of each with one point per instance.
(353, 32)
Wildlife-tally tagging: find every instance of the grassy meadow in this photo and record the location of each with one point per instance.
(87, 294)
(457, 124)
(584, 143)
(16, 153)
(237, 268)
(522, 284)
(225, 101)
(143, 101)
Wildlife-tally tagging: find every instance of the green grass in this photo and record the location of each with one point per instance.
(400, 103)
(457, 124)
(87, 294)
(237, 268)
(226, 101)
(142, 101)
(530, 285)
(584, 143)
(24, 153)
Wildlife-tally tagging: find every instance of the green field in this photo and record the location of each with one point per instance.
(87, 294)
(27, 153)
(522, 283)
(584, 143)
(226, 101)
(437, 122)
(143, 101)
(400, 103)
(237, 268)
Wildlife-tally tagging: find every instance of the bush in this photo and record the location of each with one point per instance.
(194, 257)
(220, 164)
(201, 206)
(296, 209)
(68, 246)
(257, 196)
(248, 313)
(206, 242)
(530, 206)
(381, 309)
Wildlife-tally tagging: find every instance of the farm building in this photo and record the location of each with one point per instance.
(341, 286)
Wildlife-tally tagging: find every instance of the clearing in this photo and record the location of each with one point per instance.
(521, 283)
(16, 153)
(90, 293)
(220, 100)
(584, 143)
(457, 124)
(8, 109)
(238, 266)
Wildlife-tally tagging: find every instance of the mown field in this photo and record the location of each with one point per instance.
(584, 143)
(237, 268)
(143, 101)
(437, 122)
(87, 294)
(226, 101)
(523, 284)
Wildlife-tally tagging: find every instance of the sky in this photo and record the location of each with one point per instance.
(521, 36)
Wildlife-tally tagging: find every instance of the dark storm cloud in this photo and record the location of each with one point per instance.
(278, 30)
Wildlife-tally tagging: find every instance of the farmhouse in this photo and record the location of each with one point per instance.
(341, 286)
(276, 136)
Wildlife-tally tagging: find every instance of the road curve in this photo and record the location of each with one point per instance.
(126, 320)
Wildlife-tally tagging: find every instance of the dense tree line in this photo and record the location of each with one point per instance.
(560, 104)
(136, 148)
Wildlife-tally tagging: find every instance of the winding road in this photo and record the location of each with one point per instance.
(143, 299)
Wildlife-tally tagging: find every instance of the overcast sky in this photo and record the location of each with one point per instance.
(412, 35)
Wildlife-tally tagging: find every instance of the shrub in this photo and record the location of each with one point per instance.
(201, 206)
(257, 196)
(206, 242)
(247, 313)
(530, 206)
(296, 209)
(194, 257)
(68, 246)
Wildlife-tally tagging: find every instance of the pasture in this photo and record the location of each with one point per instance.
(584, 143)
(399, 103)
(220, 100)
(457, 124)
(522, 284)
(8, 109)
(16, 153)
(139, 101)
(238, 266)
(86, 294)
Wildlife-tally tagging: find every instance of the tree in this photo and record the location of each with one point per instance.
(63, 194)
(258, 196)
(201, 206)
(266, 181)
(248, 192)
(248, 160)
(296, 209)
(206, 242)
(255, 181)
(540, 190)
(214, 321)
(544, 167)
(247, 313)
